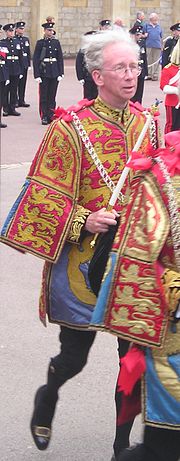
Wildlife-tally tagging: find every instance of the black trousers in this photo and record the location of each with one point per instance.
(48, 90)
(162, 444)
(10, 94)
(22, 87)
(172, 119)
(121, 440)
(75, 347)
(175, 119)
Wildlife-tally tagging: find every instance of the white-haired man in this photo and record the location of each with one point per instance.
(140, 17)
(75, 176)
(153, 33)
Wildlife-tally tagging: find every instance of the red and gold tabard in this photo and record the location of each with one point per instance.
(132, 302)
(64, 186)
(62, 175)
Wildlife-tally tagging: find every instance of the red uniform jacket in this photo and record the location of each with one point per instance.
(167, 73)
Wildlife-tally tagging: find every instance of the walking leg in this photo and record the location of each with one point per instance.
(75, 346)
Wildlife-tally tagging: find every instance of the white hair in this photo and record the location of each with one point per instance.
(139, 14)
(93, 46)
(153, 15)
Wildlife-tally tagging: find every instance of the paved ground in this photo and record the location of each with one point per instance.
(84, 421)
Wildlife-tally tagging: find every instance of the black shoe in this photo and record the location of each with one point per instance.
(42, 418)
(44, 121)
(14, 112)
(2, 125)
(5, 114)
(23, 104)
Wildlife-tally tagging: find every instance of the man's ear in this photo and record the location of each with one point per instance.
(97, 77)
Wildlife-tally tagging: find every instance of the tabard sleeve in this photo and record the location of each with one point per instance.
(78, 224)
(171, 283)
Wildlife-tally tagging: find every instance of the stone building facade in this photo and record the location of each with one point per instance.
(75, 17)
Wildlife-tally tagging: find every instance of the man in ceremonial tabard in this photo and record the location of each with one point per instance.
(63, 204)
(139, 300)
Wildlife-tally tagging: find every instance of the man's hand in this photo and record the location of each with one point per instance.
(20, 76)
(7, 82)
(99, 221)
(59, 78)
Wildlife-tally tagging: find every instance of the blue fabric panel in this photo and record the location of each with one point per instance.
(14, 208)
(161, 405)
(64, 306)
(98, 314)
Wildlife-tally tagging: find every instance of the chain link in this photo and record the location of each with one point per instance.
(85, 138)
(153, 135)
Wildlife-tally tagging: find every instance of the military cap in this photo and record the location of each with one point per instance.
(136, 30)
(20, 25)
(48, 25)
(105, 22)
(9, 27)
(175, 26)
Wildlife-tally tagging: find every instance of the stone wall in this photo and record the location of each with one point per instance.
(73, 22)
(75, 17)
(16, 10)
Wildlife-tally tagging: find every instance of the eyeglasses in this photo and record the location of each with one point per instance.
(122, 70)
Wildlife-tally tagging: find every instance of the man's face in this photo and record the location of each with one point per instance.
(20, 30)
(176, 34)
(10, 33)
(154, 19)
(48, 33)
(117, 80)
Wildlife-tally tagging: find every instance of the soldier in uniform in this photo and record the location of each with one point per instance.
(137, 32)
(25, 47)
(48, 71)
(84, 77)
(170, 43)
(4, 76)
(51, 19)
(15, 66)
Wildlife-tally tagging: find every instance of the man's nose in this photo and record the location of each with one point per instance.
(129, 73)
